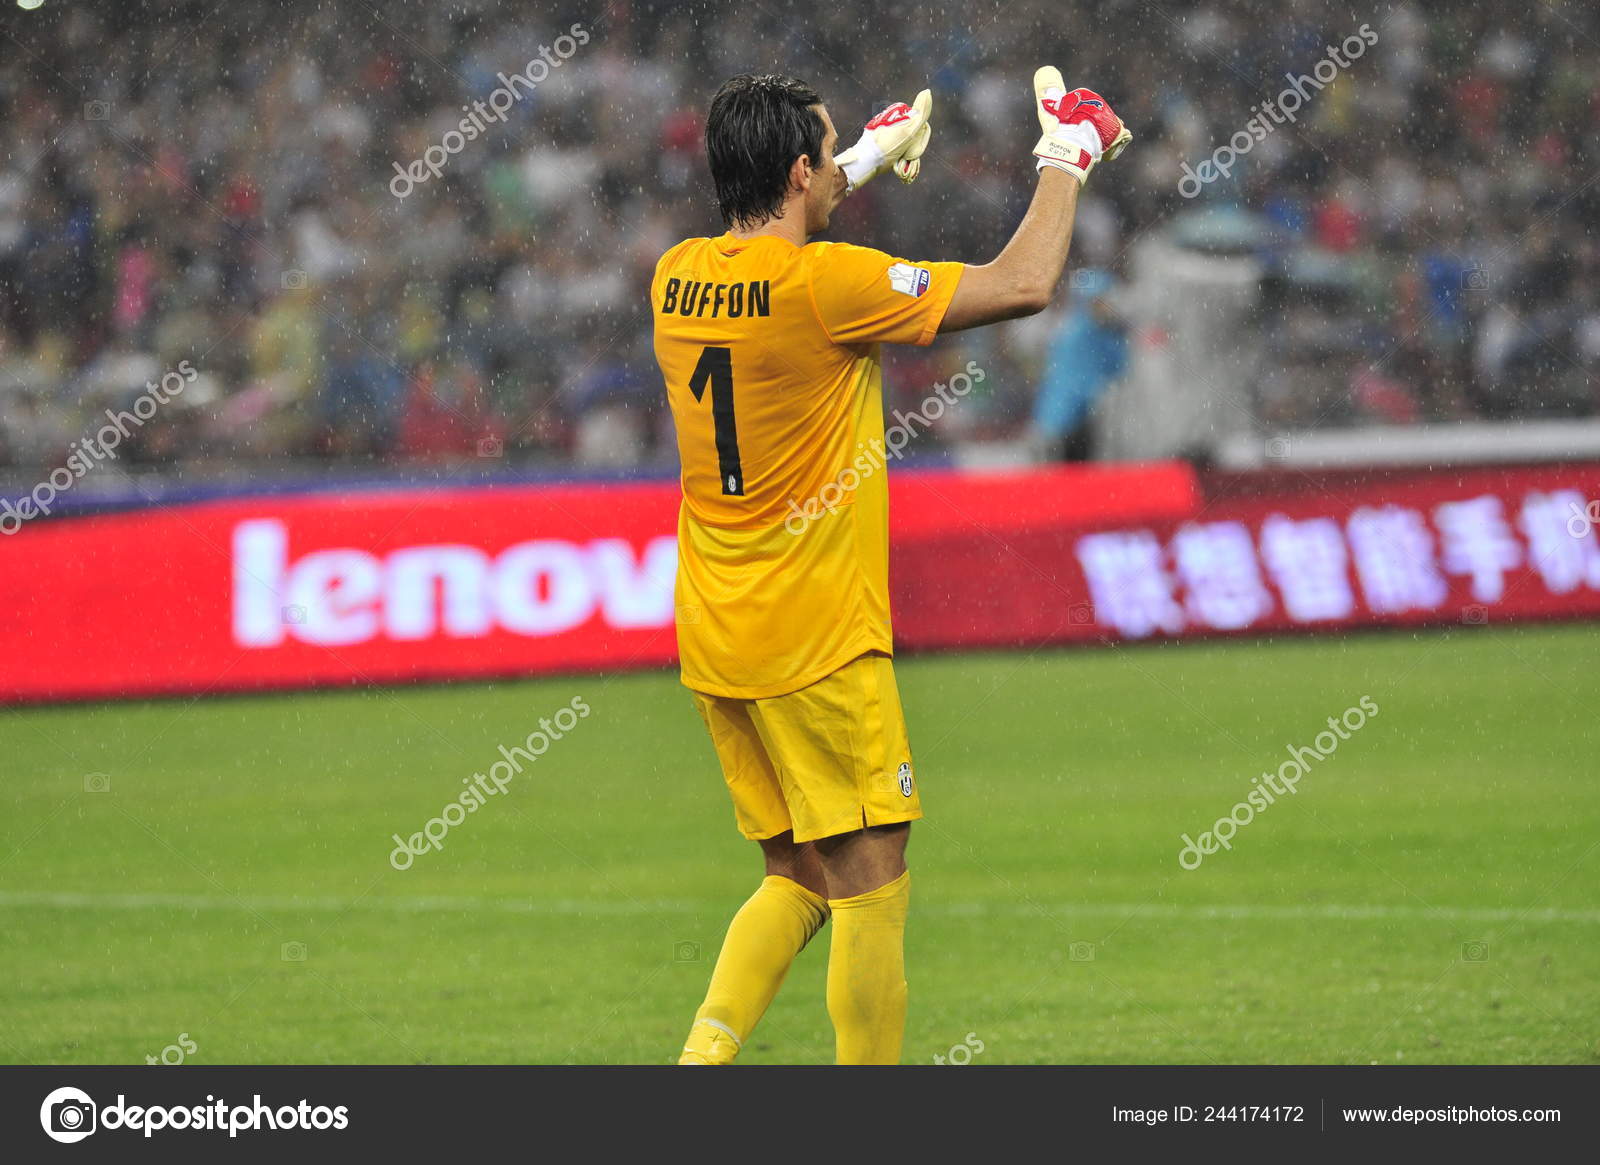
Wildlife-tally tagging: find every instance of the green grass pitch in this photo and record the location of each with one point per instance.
(220, 869)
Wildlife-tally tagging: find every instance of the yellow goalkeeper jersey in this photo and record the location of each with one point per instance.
(770, 356)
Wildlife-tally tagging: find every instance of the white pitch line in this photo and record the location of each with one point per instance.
(445, 904)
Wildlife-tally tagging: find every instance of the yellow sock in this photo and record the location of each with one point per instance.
(867, 973)
(763, 940)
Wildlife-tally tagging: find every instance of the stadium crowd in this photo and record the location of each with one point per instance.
(289, 199)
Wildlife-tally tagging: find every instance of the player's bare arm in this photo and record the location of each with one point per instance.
(1022, 278)
(1080, 129)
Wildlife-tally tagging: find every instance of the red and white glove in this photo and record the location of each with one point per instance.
(1080, 127)
(896, 137)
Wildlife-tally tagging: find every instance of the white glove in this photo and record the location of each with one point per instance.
(1080, 127)
(896, 137)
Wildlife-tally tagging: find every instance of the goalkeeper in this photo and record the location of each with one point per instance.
(769, 347)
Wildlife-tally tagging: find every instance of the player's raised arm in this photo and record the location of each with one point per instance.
(1080, 129)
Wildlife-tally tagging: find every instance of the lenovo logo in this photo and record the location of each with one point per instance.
(537, 588)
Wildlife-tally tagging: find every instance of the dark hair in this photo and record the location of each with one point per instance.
(757, 127)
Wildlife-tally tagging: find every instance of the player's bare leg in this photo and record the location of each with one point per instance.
(798, 862)
(771, 928)
(869, 889)
(855, 863)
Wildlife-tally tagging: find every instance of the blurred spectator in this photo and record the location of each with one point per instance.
(1088, 353)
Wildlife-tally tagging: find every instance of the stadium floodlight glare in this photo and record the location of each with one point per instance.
(30, 5)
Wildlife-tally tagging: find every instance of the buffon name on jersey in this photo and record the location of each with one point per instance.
(695, 297)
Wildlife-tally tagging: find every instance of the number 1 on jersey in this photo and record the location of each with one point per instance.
(716, 365)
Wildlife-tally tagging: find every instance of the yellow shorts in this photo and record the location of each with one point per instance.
(828, 759)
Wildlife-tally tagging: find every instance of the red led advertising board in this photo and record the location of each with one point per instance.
(406, 585)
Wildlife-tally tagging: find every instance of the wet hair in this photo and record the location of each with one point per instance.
(757, 127)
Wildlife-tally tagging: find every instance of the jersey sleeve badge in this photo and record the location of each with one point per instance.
(909, 280)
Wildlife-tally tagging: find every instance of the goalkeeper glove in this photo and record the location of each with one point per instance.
(896, 137)
(1080, 127)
